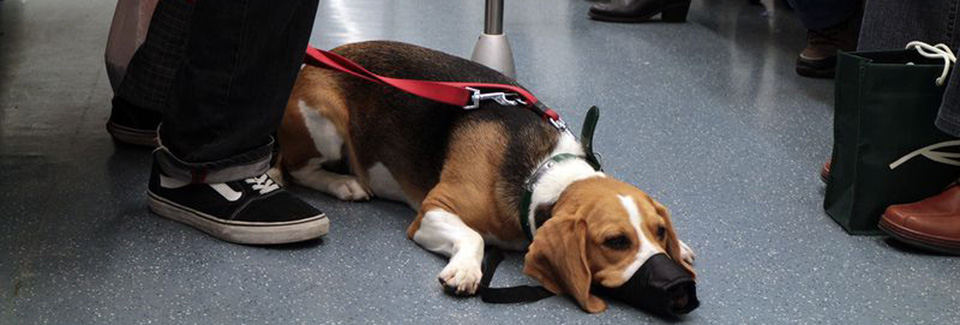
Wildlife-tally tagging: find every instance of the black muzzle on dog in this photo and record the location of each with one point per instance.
(660, 286)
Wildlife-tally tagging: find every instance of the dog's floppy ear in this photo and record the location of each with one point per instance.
(557, 258)
(673, 244)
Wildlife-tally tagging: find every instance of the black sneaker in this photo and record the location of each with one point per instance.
(133, 125)
(255, 210)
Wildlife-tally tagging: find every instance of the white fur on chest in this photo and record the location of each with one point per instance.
(553, 182)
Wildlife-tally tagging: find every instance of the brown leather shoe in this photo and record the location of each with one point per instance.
(825, 172)
(819, 58)
(933, 223)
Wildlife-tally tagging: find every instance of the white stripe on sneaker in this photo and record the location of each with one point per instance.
(227, 192)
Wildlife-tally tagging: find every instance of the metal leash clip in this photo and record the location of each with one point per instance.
(559, 124)
(502, 98)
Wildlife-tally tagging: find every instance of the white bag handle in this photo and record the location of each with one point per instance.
(939, 51)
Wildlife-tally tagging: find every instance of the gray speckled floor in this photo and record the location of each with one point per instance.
(707, 116)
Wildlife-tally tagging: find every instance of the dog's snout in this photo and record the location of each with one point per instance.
(660, 285)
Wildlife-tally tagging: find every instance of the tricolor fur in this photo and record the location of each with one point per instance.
(463, 172)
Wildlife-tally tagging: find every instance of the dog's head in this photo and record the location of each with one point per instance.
(601, 232)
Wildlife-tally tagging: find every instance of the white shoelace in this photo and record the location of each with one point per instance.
(263, 183)
(939, 51)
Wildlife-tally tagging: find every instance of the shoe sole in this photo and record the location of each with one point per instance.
(913, 238)
(820, 69)
(673, 14)
(815, 73)
(127, 135)
(241, 232)
(617, 19)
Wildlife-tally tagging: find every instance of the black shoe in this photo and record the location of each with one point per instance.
(251, 211)
(133, 125)
(634, 11)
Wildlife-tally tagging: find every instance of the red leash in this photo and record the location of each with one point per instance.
(461, 94)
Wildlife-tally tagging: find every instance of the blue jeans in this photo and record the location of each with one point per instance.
(820, 14)
(891, 24)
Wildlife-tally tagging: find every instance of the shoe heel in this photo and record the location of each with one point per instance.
(676, 13)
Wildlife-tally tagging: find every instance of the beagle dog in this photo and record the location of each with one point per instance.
(464, 172)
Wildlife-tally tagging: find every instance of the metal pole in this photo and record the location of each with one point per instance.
(493, 21)
(493, 48)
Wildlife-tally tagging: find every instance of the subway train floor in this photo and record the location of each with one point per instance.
(707, 116)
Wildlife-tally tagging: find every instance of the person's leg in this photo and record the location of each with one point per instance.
(949, 117)
(932, 223)
(948, 120)
(822, 14)
(139, 101)
(891, 24)
(242, 58)
(832, 25)
(241, 63)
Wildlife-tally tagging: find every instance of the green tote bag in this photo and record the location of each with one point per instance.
(886, 148)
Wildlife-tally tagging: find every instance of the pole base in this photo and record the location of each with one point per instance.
(494, 51)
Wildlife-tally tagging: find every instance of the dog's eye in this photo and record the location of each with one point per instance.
(617, 242)
(661, 232)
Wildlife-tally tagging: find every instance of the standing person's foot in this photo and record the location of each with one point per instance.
(819, 58)
(133, 125)
(825, 172)
(933, 223)
(255, 210)
(634, 11)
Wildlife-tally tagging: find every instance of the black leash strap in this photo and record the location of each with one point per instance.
(509, 295)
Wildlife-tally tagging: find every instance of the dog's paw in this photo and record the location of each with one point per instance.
(460, 278)
(347, 188)
(686, 253)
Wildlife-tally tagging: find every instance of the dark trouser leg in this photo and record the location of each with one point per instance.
(891, 24)
(152, 69)
(242, 58)
(820, 14)
(142, 95)
(948, 119)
